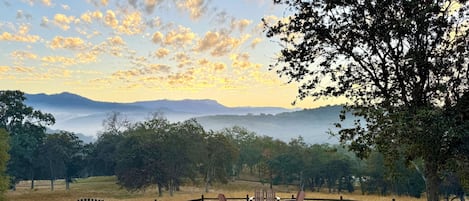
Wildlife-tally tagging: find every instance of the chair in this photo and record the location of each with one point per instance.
(270, 195)
(300, 196)
(221, 197)
(259, 195)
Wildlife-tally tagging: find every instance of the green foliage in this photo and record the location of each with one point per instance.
(63, 156)
(4, 147)
(221, 157)
(26, 127)
(402, 64)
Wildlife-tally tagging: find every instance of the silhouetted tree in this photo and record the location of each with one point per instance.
(402, 64)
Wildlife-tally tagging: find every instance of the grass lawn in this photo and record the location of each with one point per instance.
(107, 189)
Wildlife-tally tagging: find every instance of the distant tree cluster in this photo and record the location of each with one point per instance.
(166, 155)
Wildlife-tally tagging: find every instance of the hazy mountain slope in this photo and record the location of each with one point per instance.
(74, 102)
(312, 124)
(82, 115)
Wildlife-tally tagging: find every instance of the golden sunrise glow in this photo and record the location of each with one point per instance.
(125, 51)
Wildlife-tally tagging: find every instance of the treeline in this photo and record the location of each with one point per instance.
(156, 152)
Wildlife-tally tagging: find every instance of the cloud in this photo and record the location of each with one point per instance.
(154, 22)
(23, 69)
(148, 69)
(88, 17)
(196, 8)
(79, 58)
(63, 21)
(67, 61)
(242, 61)
(212, 66)
(116, 40)
(47, 3)
(87, 57)
(20, 14)
(179, 37)
(161, 53)
(133, 3)
(73, 43)
(219, 66)
(65, 7)
(44, 22)
(4, 69)
(220, 43)
(181, 79)
(182, 59)
(22, 55)
(222, 17)
(104, 2)
(150, 5)
(240, 25)
(110, 19)
(254, 42)
(21, 35)
(131, 24)
(157, 37)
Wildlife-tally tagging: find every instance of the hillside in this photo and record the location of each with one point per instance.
(82, 115)
(312, 124)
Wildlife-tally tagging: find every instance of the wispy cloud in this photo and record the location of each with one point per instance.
(22, 55)
(218, 43)
(161, 53)
(73, 43)
(21, 35)
(89, 16)
(242, 61)
(179, 37)
(132, 24)
(63, 21)
(110, 19)
(195, 8)
(4, 69)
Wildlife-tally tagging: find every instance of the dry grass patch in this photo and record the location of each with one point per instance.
(107, 189)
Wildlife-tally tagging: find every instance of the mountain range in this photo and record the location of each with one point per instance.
(85, 116)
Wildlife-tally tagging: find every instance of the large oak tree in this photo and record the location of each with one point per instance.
(403, 64)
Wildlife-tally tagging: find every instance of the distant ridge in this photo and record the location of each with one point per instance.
(72, 101)
(312, 124)
(82, 115)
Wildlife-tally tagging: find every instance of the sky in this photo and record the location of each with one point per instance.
(135, 50)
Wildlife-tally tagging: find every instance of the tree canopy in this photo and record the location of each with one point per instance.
(401, 64)
(26, 127)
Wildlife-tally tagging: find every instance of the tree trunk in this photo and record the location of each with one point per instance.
(67, 183)
(171, 187)
(32, 183)
(51, 176)
(207, 180)
(32, 178)
(271, 175)
(160, 189)
(432, 180)
(51, 184)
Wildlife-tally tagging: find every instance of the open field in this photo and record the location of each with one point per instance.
(106, 188)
